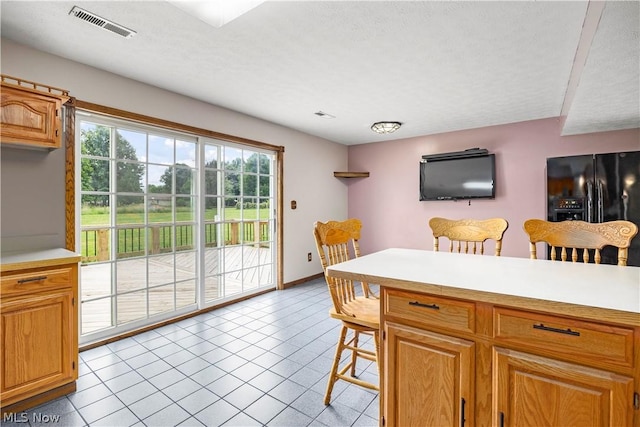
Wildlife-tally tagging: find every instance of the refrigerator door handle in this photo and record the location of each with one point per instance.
(600, 191)
(589, 201)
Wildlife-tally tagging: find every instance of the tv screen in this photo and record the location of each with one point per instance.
(458, 178)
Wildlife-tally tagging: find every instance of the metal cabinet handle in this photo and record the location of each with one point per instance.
(419, 304)
(31, 279)
(567, 331)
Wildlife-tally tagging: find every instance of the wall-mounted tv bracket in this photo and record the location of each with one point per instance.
(469, 152)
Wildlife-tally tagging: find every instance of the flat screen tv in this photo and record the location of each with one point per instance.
(458, 178)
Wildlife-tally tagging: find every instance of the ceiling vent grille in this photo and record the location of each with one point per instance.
(105, 24)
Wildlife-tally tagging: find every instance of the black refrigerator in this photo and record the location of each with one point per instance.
(596, 188)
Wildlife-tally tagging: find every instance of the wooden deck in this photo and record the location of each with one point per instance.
(147, 287)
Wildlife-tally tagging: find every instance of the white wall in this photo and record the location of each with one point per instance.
(309, 161)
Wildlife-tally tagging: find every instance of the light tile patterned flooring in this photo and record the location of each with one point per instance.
(259, 362)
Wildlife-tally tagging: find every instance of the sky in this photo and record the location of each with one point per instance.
(162, 151)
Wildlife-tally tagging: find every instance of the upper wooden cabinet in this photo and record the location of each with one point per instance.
(31, 114)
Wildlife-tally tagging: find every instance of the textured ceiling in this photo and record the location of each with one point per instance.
(434, 66)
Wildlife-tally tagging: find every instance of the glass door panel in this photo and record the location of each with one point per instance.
(169, 223)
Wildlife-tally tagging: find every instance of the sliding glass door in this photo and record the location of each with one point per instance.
(239, 221)
(169, 223)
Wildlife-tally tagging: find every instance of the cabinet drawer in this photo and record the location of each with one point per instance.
(573, 338)
(430, 310)
(36, 281)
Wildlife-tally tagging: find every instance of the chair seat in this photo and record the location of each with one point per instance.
(366, 310)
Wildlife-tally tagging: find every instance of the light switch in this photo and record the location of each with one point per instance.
(294, 204)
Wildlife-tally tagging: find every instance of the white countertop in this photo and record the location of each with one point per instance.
(36, 258)
(602, 286)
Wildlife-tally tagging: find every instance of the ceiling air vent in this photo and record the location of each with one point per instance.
(94, 19)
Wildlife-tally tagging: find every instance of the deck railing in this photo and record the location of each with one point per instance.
(133, 240)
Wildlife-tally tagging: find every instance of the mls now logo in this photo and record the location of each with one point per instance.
(13, 417)
(23, 417)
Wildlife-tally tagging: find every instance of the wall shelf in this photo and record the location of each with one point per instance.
(351, 174)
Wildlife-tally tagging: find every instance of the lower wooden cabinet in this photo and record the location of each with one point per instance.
(509, 367)
(429, 379)
(537, 391)
(36, 343)
(38, 331)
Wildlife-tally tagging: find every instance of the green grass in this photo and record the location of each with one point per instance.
(132, 240)
(92, 216)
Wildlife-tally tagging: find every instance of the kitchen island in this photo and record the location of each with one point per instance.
(484, 340)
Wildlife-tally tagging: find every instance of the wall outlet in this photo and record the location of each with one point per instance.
(309, 257)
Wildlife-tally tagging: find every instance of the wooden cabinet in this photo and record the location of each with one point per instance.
(454, 362)
(428, 380)
(564, 371)
(537, 391)
(31, 114)
(600, 344)
(38, 332)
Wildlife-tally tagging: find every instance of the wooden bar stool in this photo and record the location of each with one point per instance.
(470, 232)
(359, 314)
(581, 235)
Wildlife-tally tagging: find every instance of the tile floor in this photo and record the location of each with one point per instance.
(260, 362)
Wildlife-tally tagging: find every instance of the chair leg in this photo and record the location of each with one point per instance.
(354, 353)
(333, 375)
(376, 338)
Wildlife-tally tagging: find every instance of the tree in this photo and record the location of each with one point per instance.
(183, 184)
(211, 184)
(183, 179)
(232, 180)
(249, 182)
(152, 188)
(95, 172)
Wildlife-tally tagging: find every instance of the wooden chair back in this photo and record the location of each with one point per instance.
(468, 234)
(336, 242)
(581, 235)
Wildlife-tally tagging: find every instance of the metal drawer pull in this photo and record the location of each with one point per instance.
(33, 279)
(567, 331)
(419, 304)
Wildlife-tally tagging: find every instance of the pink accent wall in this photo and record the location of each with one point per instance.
(388, 201)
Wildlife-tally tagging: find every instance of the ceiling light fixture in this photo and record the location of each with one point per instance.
(216, 12)
(385, 127)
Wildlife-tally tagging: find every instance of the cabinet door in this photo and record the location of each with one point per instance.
(36, 334)
(537, 391)
(429, 378)
(30, 119)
